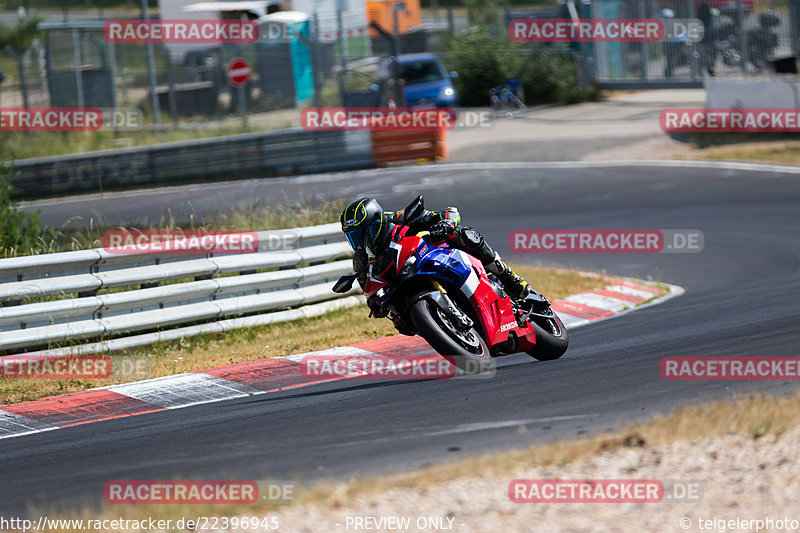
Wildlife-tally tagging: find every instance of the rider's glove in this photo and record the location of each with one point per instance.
(378, 307)
(441, 232)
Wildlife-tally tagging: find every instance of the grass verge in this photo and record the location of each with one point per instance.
(337, 328)
(19, 145)
(785, 152)
(255, 217)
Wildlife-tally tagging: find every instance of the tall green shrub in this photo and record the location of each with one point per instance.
(484, 57)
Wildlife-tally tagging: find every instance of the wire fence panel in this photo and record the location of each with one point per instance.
(750, 39)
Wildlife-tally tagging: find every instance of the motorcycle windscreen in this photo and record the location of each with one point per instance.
(442, 263)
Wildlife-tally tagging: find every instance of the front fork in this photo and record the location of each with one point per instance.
(440, 297)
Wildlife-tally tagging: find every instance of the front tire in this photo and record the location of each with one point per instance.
(465, 349)
(552, 339)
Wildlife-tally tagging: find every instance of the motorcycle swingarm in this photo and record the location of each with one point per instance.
(533, 301)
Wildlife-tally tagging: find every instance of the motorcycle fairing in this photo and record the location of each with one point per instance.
(457, 268)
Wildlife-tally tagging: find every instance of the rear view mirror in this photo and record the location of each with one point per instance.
(344, 284)
(414, 210)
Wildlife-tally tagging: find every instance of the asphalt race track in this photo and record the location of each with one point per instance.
(742, 298)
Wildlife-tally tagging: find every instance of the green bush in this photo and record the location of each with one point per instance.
(552, 78)
(484, 57)
(478, 60)
(20, 233)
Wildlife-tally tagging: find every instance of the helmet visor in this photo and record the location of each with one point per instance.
(374, 235)
(355, 237)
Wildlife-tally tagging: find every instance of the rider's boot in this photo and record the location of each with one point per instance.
(513, 284)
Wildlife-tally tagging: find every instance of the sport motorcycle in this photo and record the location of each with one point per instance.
(447, 297)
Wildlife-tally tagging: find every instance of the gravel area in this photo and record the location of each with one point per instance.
(742, 479)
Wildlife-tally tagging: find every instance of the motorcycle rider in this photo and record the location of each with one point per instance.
(368, 229)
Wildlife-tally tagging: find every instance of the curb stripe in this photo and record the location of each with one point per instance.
(182, 390)
(266, 375)
(80, 407)
(600, 302)
(631, 285)
(398, 346)
(621, 289)
(620, 295)
(580, 310)
(571, 321)
(13, 425)
(282, 373)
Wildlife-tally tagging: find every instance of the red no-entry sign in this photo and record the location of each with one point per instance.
(239, 72)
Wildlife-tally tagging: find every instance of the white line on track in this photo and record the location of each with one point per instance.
(482, 426)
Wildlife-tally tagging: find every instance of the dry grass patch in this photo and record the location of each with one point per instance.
(786, 152)
(754, 417)
(337, 328)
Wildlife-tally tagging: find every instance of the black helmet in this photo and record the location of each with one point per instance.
(365, 227)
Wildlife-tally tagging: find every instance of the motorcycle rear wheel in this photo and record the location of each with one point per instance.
(550, 344)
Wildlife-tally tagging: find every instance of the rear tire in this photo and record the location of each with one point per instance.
(470, 359)
(548, 345)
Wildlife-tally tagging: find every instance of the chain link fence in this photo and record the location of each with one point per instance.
(325, 60)
(332, 61)
(739, 37)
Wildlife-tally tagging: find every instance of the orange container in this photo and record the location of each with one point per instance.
(396, 146)
(380, 11)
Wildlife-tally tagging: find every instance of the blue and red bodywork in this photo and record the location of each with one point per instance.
(453, 269)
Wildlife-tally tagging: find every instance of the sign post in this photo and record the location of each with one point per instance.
(239, 72)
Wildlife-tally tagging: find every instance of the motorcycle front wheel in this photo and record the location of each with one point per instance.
(464, 348)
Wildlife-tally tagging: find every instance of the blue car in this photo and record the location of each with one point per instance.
(427, 83)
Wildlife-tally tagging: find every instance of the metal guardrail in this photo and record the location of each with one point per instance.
(202, 290)
(292, 151)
